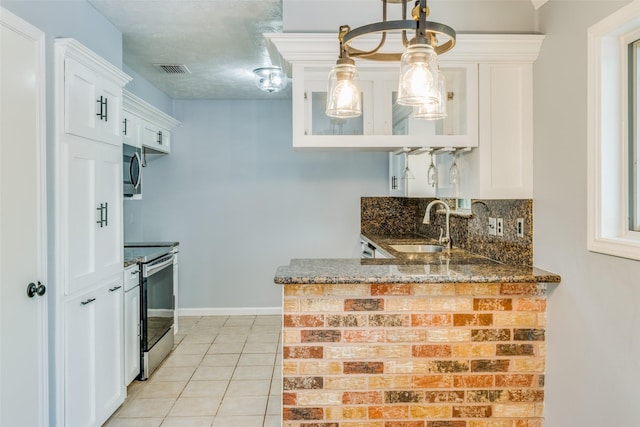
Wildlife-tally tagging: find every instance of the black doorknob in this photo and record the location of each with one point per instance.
(41, 289)
(33, 289)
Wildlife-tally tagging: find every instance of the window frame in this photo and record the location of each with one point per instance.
(608, 154)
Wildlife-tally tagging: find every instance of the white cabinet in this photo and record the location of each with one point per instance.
(175, 290)
(92, 103)
(88, 236)
(131, 129)
(152, 127)
(156, 137)
(502, 167)
(93, 358)
(489, 81)
(131, 324)
(383, 124)
(92, 212)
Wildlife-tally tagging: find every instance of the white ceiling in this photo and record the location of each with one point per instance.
(220, 42)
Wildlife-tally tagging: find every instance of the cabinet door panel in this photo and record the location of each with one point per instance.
(131, 334)
(109, 191)
(81, 96)
(109, 348)
(80, 385)
(81, 214)
(113, 115)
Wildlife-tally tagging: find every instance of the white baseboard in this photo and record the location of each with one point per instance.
(229, 311)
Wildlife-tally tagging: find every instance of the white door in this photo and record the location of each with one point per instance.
(23, 320)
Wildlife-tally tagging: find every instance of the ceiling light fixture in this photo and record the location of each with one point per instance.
(270, 79)
(420, 83)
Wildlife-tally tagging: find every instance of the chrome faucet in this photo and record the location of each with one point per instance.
(446, 240)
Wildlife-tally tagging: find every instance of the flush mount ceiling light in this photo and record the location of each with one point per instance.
(420, 84)
(270, 79)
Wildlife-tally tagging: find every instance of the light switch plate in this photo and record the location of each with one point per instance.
(492, 226)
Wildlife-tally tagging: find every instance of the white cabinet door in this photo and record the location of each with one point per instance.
(92, 104)
(93, 360)
(80, 382)
(109, 352)
(93, 213)
(501, 167)
(155, 138)
(130, 129)
(175, 291)
(131, 334)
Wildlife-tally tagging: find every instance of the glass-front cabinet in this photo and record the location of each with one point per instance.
(384, 124)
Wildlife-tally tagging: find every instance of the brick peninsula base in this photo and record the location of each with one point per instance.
(414, 355)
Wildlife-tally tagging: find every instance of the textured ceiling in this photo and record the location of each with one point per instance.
(220, 42)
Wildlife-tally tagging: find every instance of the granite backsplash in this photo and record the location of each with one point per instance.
(402, 216)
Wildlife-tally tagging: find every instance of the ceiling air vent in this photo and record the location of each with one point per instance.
(172, 68)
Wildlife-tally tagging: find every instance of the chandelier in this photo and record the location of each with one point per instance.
(420, 84)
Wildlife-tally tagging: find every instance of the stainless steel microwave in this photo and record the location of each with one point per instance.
(132, 171)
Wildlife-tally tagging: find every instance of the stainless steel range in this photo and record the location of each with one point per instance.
(157, 303)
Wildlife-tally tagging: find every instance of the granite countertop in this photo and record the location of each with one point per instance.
(449, 266)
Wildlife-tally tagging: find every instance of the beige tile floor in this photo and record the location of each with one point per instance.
(224, 371)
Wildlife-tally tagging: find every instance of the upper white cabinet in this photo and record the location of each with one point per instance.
(502, 167)
(92, 102)
(488, 130)
(150, 128)
(88, 236)
(383, 123)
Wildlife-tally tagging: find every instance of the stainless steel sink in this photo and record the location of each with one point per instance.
(418, 248)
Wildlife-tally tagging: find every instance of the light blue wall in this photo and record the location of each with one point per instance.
(242, 202)
(593, 338)
(148, 92)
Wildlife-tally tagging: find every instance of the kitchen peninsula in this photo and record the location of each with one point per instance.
(448, 339)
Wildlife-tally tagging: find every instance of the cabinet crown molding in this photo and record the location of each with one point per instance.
(320, 48)
(143, 109)
(72, 48)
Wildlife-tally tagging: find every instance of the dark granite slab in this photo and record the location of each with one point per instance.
(453, 270)
(453, 265)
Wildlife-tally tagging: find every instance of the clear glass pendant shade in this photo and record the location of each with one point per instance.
(344, 94)
(270, 79)
(418, 82)
(437, 109)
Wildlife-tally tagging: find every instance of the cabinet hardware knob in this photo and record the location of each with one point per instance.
(89, 301)
(124, 129)
(115, 288)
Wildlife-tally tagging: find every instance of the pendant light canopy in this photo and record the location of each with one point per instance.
(420, 83)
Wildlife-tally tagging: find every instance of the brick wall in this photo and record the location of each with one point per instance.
(414, 355)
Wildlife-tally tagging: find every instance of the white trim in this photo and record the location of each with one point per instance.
(310, 48)
(229, 311)
(607, 133)
(21, 26)
(139, 107)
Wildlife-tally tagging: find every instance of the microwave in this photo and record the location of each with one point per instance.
(132, 171)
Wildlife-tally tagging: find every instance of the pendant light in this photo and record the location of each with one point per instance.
(419, 83)
(344, 98)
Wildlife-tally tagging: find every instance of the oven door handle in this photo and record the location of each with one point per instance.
(151, 269)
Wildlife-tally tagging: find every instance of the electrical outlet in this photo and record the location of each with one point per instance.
(499, 228)
(492, 226)
(520, 228)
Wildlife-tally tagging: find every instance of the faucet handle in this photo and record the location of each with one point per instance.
(440, 238)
